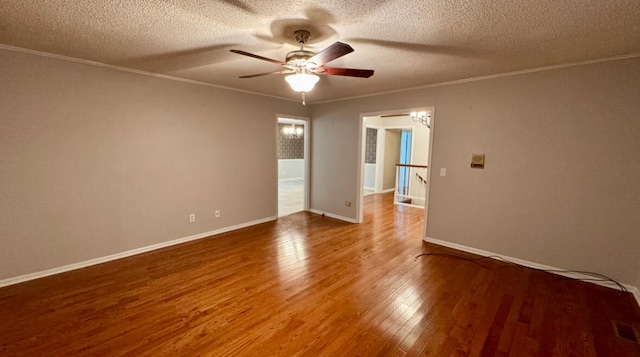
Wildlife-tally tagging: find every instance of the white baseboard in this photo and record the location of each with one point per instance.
(342, 218)
(632, 289)
(291, 179)
(388, 190)
(108, 258)
(408, 205)
(370, 188)
(365, 193)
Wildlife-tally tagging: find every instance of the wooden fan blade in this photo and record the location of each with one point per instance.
(284, 71)
(350, 72)
(258, 57)
(330, 53)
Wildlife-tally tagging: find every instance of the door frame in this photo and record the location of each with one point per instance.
(360, 169)
(306, 122)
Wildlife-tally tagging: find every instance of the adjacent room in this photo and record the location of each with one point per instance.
(293, 150)
(383, 178)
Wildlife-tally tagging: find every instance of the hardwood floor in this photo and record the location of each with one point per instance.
(313, 286)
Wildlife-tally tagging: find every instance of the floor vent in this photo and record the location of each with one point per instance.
(626, 331)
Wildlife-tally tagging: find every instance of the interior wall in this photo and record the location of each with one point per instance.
(370, 158)
(369, 174)
(290, 147)
(371, 146)
(96, 161)
(391, 158)
(380, 153)
(291, 169)
(420, 137)
(560, 185)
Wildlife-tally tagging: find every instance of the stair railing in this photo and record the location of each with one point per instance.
(411, 184)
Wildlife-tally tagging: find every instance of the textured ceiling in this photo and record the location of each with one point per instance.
(407, 43)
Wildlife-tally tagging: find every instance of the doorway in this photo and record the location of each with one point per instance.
(411, 140)
(293, 152)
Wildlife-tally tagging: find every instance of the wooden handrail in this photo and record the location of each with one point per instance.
(407, 165)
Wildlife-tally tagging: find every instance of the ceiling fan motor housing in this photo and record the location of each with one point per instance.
(299, 55)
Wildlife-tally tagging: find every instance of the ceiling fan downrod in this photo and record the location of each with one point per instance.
(299, 58)
(302, 37)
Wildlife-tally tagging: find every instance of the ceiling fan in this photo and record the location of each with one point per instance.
(303, 67)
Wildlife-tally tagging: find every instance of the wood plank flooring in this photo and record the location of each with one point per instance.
(307, 285)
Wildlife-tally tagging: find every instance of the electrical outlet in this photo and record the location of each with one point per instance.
(443, 171)
(217, 213)
(192, 217)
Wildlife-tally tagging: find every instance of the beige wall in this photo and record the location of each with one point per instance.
(420, 145)
(95, 161)
(391, 158)
(561, 181)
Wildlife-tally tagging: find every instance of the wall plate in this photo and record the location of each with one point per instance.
(477, 161)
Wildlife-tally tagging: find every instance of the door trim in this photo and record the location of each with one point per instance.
(360, 169)
(307, 158)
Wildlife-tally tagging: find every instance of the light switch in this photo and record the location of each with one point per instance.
(443, 171)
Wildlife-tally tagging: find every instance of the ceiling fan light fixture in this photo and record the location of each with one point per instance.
(302, 82)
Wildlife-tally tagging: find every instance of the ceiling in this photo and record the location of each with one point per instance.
(407, 43)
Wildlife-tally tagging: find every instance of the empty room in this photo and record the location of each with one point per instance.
(465, 173)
